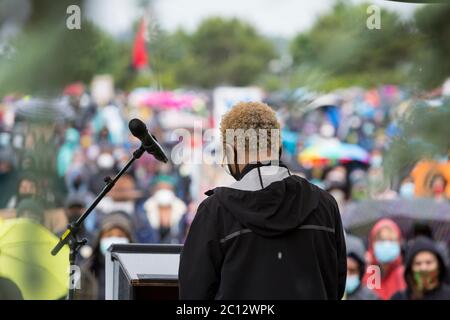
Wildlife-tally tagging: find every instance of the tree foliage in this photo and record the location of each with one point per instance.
(219, 52)
(48, 55)
(424, 133)
(337, 51)
(342, 47)
(432, 59)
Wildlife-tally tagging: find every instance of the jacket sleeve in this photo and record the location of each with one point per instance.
(342, 254)
(201, 258)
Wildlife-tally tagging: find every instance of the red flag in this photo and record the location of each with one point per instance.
(140, 58)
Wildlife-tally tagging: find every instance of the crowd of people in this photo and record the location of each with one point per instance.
(51, 163)
(396, 269)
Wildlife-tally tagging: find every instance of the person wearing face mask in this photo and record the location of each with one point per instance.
(385, 252)
(425, 271)
(122, 197)
(355, 288)
(8, 176)
(116, 228)
(339, 193)
(66, 152)
(77, 184)
(270, 234)
(164, 212)
(105, 168)
(407, 189)
(438, 187)
(27, 188)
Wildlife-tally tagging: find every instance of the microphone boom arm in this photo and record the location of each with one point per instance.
(70, 235)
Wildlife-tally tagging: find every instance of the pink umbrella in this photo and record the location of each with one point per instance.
(168, 100)
(173, 119)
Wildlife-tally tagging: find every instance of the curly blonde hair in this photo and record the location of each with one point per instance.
(250, 124)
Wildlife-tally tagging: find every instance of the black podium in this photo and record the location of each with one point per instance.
(142, 272)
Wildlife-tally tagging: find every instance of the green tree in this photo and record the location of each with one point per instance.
(224, 51)
(169, 55)
(432, 62)
(219, 52)
(346, 52)
(49, 56)
(424, 133)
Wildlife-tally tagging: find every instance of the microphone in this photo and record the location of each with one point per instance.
(149, 142)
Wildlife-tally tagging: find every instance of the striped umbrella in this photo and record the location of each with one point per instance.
(332, 152)
(43, 110)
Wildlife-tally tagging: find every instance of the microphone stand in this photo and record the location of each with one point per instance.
(70, 236)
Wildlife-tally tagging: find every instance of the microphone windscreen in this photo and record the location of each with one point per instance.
(137, 128)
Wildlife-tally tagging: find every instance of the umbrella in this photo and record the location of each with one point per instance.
(359, 217)
(330, 99)
(424, 172)
(42, 110)
(25, 259)
(169, 100)
(75, 89)
(178, 119)
(289, 139)
(137, 95)
(332, 152)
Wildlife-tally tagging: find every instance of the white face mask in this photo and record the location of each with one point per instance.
(105, 243)
(164, 197)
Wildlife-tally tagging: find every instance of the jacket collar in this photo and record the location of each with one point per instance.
(256, 176)
(260, 177)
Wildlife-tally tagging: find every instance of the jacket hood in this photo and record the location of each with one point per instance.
(421, 244)
(269, 201)
(151, 207)
(383, 223)
(356, 250)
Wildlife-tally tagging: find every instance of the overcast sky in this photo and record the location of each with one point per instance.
(270, 17)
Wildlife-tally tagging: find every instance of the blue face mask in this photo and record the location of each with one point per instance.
(386, 251)
(407, 190)
(352, 284)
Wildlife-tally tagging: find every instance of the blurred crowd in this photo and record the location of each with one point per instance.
(62, 160)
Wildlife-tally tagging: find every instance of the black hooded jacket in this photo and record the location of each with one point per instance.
(270, 235)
